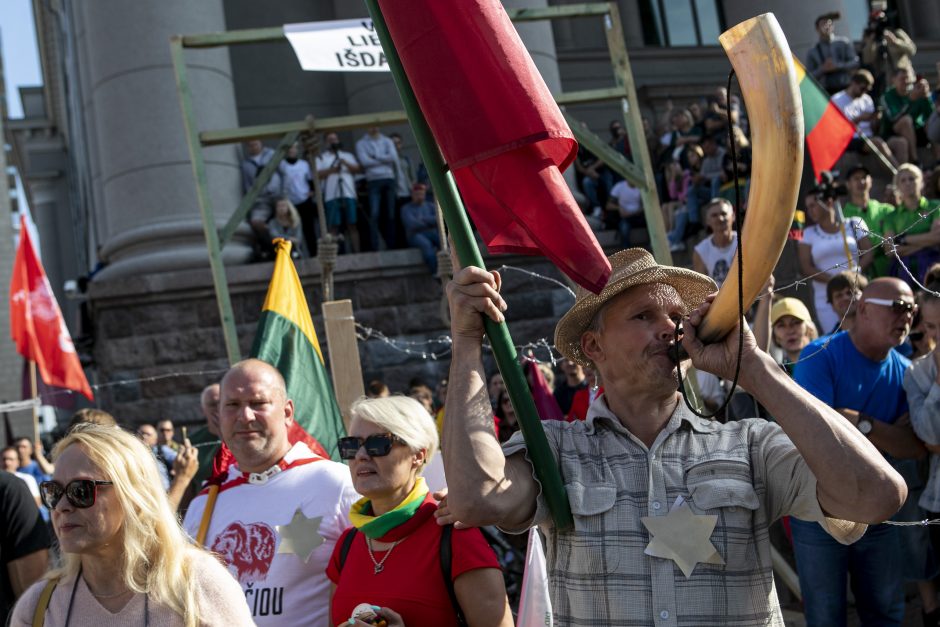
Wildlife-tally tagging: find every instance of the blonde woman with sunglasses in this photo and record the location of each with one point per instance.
(125, 560)
(391, 564)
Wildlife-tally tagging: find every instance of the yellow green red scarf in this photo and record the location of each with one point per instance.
(376, 527)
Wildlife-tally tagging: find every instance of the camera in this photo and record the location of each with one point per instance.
(829, 187)
(877, 23)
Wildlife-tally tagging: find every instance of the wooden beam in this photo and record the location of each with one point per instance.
(234, 37)
(559, 12)
(344, 354)
(219, 280)
(338, 123)
(590, 95)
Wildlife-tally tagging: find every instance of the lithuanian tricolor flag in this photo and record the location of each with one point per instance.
(828, 131)
(287, 340)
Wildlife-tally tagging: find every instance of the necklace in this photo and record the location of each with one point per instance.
(379, 566)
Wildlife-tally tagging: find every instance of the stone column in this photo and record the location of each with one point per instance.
(11, 364)
(146, 211)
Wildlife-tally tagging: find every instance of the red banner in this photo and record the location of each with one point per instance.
(498, 128)
(36, 323)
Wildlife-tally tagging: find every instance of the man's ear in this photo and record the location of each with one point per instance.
(289, 411)
(590, 346)
(421, 458)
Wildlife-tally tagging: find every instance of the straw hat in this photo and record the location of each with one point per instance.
(629, 268)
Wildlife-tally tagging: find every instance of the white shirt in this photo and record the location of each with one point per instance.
(338, 185)
(854, 108)
(296, 180)
(628, 198)
(30, 483)
(247, 530)
(717, 260)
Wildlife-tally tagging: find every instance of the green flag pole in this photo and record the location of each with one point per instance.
(445, 190)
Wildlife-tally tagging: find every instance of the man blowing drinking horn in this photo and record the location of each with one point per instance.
(671, 511)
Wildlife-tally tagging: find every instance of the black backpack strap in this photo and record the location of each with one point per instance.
(347, 544)
(446, 562)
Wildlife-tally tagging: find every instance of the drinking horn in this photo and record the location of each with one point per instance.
(761, 59)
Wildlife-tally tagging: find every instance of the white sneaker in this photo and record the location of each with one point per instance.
(677, 247)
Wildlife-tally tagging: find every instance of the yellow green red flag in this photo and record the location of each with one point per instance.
(287, 340)
(828, 131)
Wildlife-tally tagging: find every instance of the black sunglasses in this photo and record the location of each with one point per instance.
(377, 445)
(898, 306)
(81, 493)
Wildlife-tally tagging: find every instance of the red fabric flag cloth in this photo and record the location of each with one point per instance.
(499, 130)
(36, 323)
(545, 401)
(224, 457)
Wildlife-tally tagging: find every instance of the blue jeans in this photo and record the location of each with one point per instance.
(428, 242)
(595, 188)
(873, 565)
(382, 207)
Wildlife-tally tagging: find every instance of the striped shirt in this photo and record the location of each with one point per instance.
(748, 473)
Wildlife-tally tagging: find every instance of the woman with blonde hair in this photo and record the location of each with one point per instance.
(396, 563)
(286, 224)
(125, 560)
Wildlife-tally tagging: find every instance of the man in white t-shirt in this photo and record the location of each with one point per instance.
(714, 254)
(626, 200)
(336, 168)
(281, 508)
(859, 108)
(298, 187)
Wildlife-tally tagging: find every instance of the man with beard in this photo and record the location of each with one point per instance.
(859, 375)
(671, 511)
(281, 508)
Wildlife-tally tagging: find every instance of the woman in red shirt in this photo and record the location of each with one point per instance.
(392, 561)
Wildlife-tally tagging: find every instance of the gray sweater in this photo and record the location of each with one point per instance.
(377, 156)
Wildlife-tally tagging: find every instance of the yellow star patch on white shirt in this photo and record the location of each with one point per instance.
(683, 537)
(301, 536)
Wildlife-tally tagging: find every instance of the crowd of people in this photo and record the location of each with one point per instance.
(373, 197)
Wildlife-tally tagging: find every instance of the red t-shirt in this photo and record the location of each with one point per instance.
(411, 582)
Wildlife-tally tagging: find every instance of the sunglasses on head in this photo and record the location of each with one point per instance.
(377, 445)
(81, 493)
(899, 305)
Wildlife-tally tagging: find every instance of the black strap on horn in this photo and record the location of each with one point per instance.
(738, 222)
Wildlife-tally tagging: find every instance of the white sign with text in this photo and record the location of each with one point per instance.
(337, 46)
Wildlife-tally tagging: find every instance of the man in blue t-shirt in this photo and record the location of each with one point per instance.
(858, 374)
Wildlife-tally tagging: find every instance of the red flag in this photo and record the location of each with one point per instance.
(36, 323)
(545, 401)
(498, 128)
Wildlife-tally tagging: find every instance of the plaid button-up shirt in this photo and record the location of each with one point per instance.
(748, 473)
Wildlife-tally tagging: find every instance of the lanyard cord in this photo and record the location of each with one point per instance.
(68, 613)
(737, 225)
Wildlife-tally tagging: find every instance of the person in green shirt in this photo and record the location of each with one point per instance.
(861, 204)
(907, 107)
(912, 230)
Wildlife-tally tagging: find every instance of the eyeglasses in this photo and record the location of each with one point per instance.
(377, 445)
(898, 306)
(916, 336)
(81, 493)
